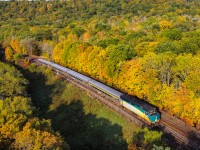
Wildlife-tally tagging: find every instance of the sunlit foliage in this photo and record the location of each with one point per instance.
(150, 49)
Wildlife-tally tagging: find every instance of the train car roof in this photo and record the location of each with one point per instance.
(79, 76)
(44, 61)
(141, 103)
(60, 67)
(106, 88)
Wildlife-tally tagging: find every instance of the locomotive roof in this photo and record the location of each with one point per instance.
(135, 101)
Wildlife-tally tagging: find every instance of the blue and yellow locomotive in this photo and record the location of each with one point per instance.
(141, 108)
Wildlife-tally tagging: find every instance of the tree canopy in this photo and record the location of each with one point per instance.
(149, 49)
(20, 128)
(12, 82)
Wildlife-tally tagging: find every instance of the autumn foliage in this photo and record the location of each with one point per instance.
(149, 49)
(20, 128)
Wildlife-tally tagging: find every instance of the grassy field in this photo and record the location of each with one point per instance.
(84, 122)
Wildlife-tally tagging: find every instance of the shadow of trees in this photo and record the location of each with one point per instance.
(86, 131)
(192, 137)
(194, 140)
(170, 140)
(1, 52)
(39, 91)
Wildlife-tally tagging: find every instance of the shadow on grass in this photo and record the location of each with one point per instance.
(86, 131)
(81, 130)
(39, 91)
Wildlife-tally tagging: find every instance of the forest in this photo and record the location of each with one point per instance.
(149, 49)
(20, 125)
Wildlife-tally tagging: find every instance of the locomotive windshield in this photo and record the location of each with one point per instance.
(152, 112)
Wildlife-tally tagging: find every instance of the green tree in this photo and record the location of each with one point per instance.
(190, 45)
(164, 64)
(102, 27)
(155, 147)
(108, 42)
(146, 138)
(78, 31)
(167, 46)
(16, 57)
(137, 34)
(11, 81)
(117, 55)
(173, 34)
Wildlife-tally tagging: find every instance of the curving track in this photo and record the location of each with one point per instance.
(188, 137)
(184, 134)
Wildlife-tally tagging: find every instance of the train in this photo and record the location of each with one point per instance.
(146, 111)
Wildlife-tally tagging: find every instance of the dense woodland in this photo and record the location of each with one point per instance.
(20, 126)
(149, 49)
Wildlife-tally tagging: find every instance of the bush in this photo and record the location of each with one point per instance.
(138, 34)
(78, 31)
(167, 46)
(102, 27)
(173, 34)
(146, 138)
(106, 43)
(16, 57)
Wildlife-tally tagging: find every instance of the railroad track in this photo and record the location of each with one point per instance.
(182, 133)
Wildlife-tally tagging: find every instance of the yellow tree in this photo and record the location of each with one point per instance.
(35, 136)
(130, 78)
(164, 24)
(15, 44)
(9, 53)
(180, 103)
(195, 109)
(165, 96)
(58, 52)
